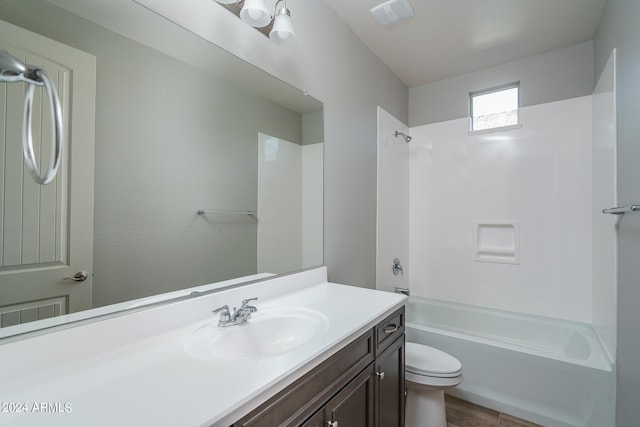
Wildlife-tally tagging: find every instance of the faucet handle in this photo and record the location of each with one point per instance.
(222, 309)
(245, 304)
(396, 267)
(225, 315)
(248, 300)
(225, 311)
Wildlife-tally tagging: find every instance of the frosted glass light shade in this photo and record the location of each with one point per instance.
(255, 13)
(282, 26)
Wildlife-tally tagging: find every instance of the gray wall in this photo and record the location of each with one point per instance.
(168, 142)
(552, 76)
(331, 63)
(619, 29)
(312, 127)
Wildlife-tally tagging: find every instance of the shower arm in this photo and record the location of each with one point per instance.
(404, 136)
(13, 70)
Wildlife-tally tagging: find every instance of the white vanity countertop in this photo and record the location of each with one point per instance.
(133, 369)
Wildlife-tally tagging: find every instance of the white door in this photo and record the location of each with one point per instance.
(46, 232)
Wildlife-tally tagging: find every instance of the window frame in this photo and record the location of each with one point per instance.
(493, 89)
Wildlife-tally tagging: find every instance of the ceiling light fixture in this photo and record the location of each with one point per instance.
(282, 24)
(255, 13)
(391, 12)
(278, 27)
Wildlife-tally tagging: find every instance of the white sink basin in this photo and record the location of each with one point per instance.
(268, 333)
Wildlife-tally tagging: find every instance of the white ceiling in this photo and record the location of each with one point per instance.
(446, 38)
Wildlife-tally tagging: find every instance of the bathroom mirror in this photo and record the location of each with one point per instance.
(197, 175)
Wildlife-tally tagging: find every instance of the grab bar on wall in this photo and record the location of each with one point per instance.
(621, 210)
(203, 212)
(14, 70)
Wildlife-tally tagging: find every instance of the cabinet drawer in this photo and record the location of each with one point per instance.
(389, 330)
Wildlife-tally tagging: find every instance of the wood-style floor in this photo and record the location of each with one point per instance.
(461, 413)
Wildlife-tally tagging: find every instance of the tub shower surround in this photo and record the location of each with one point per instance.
(551, 372)
(503, 223)
(503, 219)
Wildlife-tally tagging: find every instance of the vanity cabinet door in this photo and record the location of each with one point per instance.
(390, 386)
(353, 406)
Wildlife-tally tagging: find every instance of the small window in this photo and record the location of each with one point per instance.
(494, 108)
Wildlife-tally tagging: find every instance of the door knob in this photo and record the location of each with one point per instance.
(332, 424)
(80, 276)
(380, 374)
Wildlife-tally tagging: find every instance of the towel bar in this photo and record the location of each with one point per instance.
(621, 210)
(203, 212)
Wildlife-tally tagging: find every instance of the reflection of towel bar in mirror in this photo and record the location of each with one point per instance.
(203, 212)
(14, 70)
(621, 210)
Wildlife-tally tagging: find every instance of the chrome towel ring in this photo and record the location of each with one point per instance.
(13, 70)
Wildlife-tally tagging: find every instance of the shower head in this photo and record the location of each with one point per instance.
(406, 137)
(14, 70)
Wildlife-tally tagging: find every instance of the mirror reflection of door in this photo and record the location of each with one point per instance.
(46, 231)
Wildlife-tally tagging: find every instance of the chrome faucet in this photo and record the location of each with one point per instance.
(404, 291)
(239, 315)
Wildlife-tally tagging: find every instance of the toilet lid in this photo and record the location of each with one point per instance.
(423, 360)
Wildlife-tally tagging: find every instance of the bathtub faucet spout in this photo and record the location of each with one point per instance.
(404, 291)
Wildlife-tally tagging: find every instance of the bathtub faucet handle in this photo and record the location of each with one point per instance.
(396, 267)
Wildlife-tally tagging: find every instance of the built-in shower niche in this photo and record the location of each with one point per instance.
(496, 241)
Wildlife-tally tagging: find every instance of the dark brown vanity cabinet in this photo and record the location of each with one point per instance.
(361, 385)
(390, 386)
(315, 421)
(389, 368)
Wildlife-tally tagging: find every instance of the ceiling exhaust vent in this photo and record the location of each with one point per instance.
(392, 11)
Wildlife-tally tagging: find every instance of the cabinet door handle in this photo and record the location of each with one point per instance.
(380, 374)
(389, 329)
(332, 424)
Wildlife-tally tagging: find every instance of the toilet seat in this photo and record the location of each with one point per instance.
(425, 361)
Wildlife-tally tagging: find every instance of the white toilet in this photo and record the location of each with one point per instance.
(428, 372)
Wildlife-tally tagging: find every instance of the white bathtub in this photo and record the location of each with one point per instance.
(551, 372)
